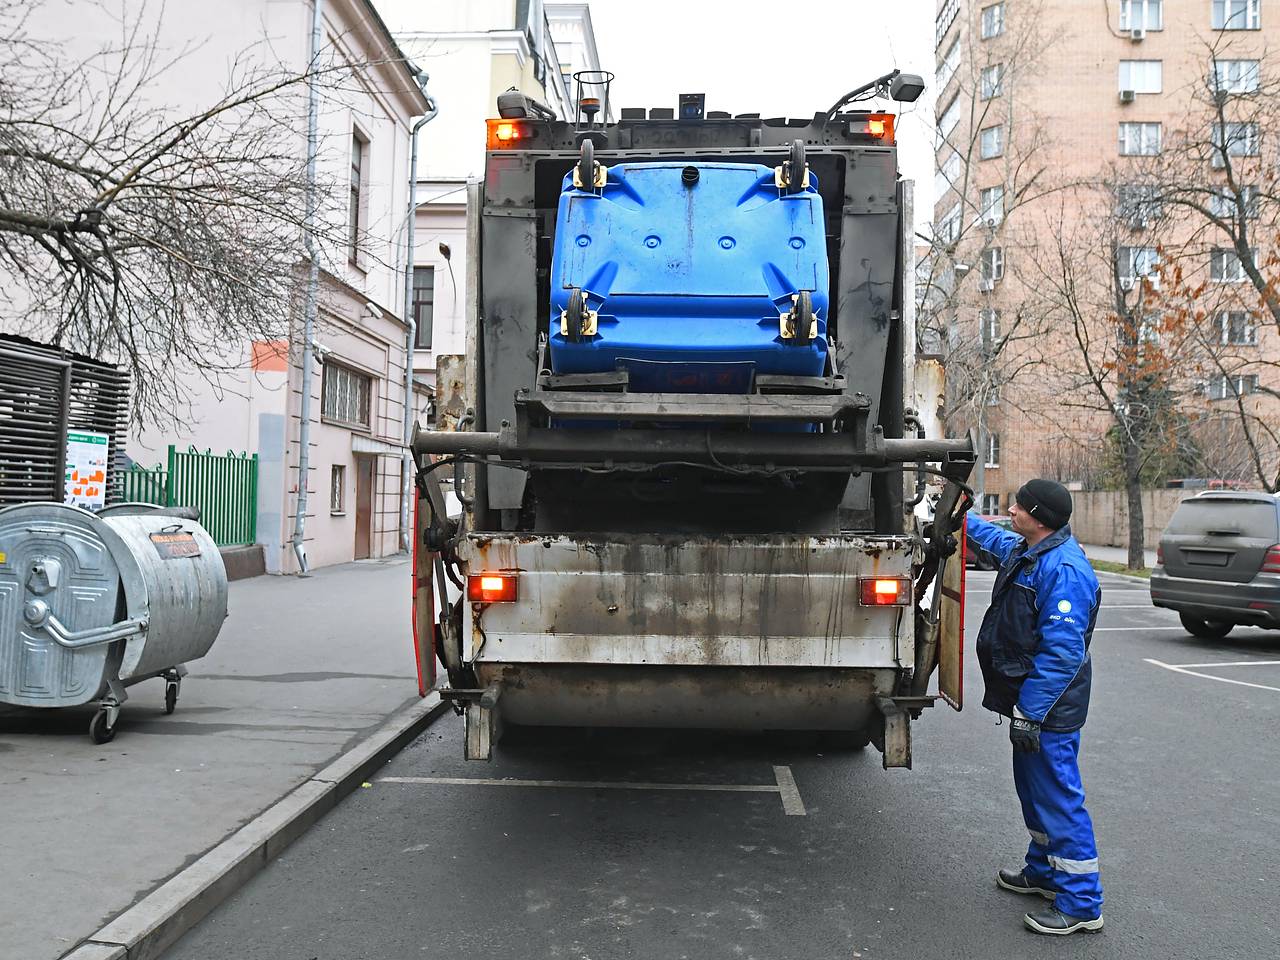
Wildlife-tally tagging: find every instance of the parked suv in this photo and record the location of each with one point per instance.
(1218, 563)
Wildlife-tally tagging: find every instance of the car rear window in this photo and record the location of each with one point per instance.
(1246, 518)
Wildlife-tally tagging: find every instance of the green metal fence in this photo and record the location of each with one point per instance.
(224, 487)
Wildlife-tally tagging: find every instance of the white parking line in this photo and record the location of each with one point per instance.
(1233, 663)
(1133, 628)
(785, 786)
(1208, 676)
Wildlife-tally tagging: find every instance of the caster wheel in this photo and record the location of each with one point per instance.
(99, 732)
(803, 322)
(587, 166)
(795, 167)
(574, 314)
(170, 697)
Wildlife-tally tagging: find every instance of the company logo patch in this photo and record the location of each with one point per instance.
(1064, 606)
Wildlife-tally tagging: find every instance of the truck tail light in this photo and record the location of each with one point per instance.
(885, 591)
(1271, 562)
(879, 125)
(491, 587)
(508, 133)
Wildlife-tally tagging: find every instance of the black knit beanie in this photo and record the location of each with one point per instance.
(1046, 500)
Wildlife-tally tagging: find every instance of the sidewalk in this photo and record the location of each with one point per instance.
(1115, 554)
(303, 669)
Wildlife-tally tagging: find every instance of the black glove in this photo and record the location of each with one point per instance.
(1024, 734)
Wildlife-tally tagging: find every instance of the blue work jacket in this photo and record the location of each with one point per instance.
(1033, 645)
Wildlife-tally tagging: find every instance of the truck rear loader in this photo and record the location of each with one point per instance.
(695, 449)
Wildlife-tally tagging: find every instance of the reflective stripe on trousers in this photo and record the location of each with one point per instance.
(1062, 854)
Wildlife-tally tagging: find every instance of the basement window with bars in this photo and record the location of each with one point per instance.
(345, 396)
(1141, 14)
(337, 489)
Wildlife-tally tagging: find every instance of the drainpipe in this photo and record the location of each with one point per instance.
(313, 288)
(406, 463)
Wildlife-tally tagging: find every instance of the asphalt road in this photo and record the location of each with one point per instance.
(1182, 774)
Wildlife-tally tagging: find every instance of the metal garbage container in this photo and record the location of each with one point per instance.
(90, 604)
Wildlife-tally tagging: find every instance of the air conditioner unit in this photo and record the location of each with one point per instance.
(985, 285)
(1137, 34)
(1126, 96)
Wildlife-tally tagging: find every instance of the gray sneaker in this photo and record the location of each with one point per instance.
(1017, 882)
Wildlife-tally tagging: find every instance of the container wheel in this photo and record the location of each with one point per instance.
(795, 170)
(1205, 629)
(99, 731)
(802, 322)
(587, 165)
(170, 697)
(573, 314)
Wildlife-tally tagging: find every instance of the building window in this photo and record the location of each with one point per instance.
(949, 225)
(946, 17)
(990, 504)
(993, 450)
(1142, 76)
(1236, 328)
(993, 264)
(992, 21)
(989, 328)
(991, 142)
(1141, 14)
(1137, 204)
(1234, 139)
(1225, 267)
(1241, 385)
(424, 295)
(1236, 15)
(1225, 205)
(1135, 262)
(947, 65)
(991, 205)
(345, 395)
(948, 119)
(355, 212)
(1139, 139)
(338, 488)
(991, 82)
(1234, 76)
(947, 175)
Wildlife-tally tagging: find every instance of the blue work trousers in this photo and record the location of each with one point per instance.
(1062, 855)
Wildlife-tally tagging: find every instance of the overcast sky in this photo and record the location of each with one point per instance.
(778, 58)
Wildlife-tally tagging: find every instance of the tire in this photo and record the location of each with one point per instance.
(587, 166)
(573, 316)
(99, 732)
(795, 169)
(1205, 629)
(804, 319)
(170, 697)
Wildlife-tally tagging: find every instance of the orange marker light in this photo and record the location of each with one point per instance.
(491, 588)
(508, 133)
(885, 591)
(879, 125)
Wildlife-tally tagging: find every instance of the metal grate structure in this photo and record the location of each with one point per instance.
(44, 392)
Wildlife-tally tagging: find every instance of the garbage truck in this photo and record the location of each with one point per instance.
(696, 453)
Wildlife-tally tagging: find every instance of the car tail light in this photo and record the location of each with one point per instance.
(1271, 562)
(885, 591)
(491, 587)
(1160, 555)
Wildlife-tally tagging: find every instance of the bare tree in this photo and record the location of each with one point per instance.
(153, 239)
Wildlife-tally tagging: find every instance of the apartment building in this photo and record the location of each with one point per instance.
(473, 52)
(1093, 144)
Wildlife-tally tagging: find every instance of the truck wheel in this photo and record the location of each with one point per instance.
(795, 168)
(587, 165)
(573, 316)
(802, 324)
(1205, 629)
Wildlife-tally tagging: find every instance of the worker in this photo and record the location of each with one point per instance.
(1033, 648)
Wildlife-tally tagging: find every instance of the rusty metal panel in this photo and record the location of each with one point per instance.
(749, 601)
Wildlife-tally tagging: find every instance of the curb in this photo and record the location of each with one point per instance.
(1124, 576)
(153, 924)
